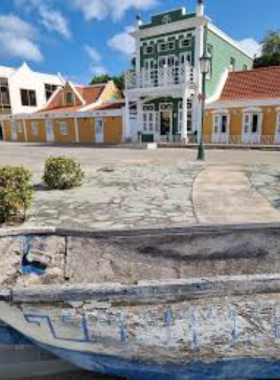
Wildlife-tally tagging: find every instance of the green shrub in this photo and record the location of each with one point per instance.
(62, 173)
(16, 191)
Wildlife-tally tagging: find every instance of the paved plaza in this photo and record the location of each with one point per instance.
(137, 188)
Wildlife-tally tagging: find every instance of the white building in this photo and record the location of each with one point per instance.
(25, 91)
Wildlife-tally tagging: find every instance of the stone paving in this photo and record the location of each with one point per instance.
(266, 180)
(125, 196)
(135, 188)
(224, 195)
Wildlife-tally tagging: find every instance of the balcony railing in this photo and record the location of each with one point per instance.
(266, 140)
(239, 140)
(162, 77)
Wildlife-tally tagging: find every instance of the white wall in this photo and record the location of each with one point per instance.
(25, 78)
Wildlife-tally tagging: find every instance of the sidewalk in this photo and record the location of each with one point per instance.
(224, 194)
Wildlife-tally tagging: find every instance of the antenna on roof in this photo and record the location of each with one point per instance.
(200, 8)
(139, 20)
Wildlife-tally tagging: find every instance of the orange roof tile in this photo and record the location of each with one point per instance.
(252, 84)
(90, 94)
(108, 106)
(60, 110)
(55, 101)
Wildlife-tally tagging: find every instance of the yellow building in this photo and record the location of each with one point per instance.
(73, 114)
(248, 109)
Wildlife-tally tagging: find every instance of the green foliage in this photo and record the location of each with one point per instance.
(119, 80)
(16, 191)
(101, 79)
(270, 55)
(62, 173)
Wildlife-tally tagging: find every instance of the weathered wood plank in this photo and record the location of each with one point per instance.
(196, 229)
(5, 294)
(128, 257)
(175, 255)
(190, 230)
(15, 231)
(151, 292)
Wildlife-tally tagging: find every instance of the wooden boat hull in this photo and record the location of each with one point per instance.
(21, 358)
(223, 326)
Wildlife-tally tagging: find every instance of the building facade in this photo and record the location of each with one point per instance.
(91, 114)
(24, 91)
(247, 111)
(163, 101)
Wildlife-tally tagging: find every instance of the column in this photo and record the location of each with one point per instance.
(199, 52)
(139, 115)
(138, 60)
(184, 131)
(77, 137)
(127, 134)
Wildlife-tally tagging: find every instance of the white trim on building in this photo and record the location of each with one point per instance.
(64, 115)
(170, 28)
(243, 103)
(23, 78)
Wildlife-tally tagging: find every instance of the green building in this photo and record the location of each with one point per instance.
(163, 101)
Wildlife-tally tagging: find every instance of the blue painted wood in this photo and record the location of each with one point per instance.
(241, 368)
(11, 337)
(26, 266)
(38, 319)
(20, 357)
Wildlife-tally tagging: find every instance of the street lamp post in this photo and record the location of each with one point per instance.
(205, 65)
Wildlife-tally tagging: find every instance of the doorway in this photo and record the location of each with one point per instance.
(252, 128)
(149, 76)
(99, 130)
(13, 130)
(49, 131)
(166, 123)
(220, 132)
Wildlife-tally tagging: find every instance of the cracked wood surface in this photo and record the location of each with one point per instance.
(130, 257)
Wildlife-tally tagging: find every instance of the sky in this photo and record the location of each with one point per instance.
(83, 38)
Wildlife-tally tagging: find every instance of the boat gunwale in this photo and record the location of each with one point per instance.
(144, 291)
(147, 291)
(191, 229)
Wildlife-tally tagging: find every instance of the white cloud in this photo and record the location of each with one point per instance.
(18, 39)
(252, 46)
(101, 9)
(15, 25)
(93, 54)
(95, 58)
(54, 21)
(50, 18)
(98, 70)
(123, 42)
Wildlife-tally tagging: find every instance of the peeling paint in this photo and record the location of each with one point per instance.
(122, 306)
